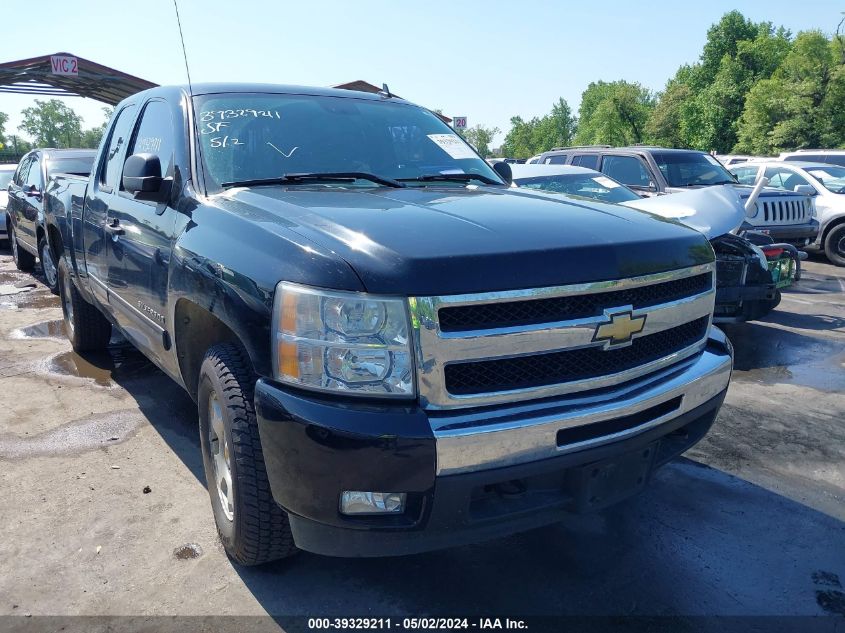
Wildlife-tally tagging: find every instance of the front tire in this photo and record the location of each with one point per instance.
(86, 327)
(834, 245)
(24, 261)
(252, 527)
(48, 265)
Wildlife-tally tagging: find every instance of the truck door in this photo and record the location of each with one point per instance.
(142, 240)
(98, 242)
(28, 204)
(16, 195)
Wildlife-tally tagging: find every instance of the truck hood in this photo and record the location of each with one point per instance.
(713, 211)
(453, 240)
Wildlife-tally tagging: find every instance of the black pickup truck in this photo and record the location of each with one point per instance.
(391, 351)
(27, 209)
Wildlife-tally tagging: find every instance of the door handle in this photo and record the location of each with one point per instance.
(114, 228)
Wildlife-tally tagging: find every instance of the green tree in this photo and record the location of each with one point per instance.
(802, 104)
(52, 124)
(91, 137)
(614, 113)
(480, 138)
(540, 134)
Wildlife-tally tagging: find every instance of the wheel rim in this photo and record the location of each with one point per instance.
(220, 457)
(840, 246)
(67, 303)
(48, 265)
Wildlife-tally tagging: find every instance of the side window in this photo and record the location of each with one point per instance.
(34, 175)
(155, 135)
(590, 161)
(112, 165)
(835, 159)
(812, 158)
(23, 170)
(745, 175)
(784, 178)
(629, 170)
(559, 159)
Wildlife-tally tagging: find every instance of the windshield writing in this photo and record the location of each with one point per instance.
(247, 137)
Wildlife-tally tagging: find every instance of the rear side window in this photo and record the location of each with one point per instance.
(155, 135)
(113, 166)
(559, 159)
(835, 159)
(629, 170)
(811, 158)
(590, 161)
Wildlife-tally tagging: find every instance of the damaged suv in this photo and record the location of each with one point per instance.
(748, 278)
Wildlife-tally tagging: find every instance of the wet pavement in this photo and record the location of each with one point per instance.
(99, 457)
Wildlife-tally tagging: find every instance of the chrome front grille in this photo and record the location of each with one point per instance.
(489, 348)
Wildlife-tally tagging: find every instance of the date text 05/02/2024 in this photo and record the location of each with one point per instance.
(412, 624)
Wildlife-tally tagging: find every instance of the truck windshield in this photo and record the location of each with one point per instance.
(248, 136)
(689, 169)
(597, 187)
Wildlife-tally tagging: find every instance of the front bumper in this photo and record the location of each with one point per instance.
(476, 474)
(795, 234)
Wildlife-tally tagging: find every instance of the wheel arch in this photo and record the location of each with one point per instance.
(196, 329)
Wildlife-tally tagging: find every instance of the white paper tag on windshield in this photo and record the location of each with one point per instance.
(604, 181)
(453, 145)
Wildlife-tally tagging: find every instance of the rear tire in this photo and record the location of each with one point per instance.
(834, 245)
(24, 261)
(252, 527)
(48, 266)
(86, 327)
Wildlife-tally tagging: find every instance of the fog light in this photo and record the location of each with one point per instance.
(360, 502)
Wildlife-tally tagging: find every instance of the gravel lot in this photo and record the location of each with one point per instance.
(106, 513)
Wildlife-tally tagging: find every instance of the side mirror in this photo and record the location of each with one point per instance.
(32, 192)
(808, 190)
(142, 177)
(505, 172)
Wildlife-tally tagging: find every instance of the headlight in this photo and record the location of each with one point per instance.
(347, 342)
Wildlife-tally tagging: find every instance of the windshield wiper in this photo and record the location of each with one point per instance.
(453, 178)
(329, 176)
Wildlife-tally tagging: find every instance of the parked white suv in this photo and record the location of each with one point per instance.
(827, 182)
(831, 156)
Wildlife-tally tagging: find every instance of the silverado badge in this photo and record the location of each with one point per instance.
(620, 329)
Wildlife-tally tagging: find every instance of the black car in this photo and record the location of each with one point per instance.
(25, 224)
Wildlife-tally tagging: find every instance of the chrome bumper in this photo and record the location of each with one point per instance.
(468, 442)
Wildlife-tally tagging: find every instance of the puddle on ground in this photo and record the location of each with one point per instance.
(74, 437)
(9, 289)
(187, 551)
(46, 329)
(770, 355)
(115, 364)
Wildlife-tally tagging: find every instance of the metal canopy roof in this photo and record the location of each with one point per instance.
(36, 76)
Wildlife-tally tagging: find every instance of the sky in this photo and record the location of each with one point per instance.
(486, 60)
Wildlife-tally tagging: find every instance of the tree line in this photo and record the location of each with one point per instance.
(49, 123)
(755, 89)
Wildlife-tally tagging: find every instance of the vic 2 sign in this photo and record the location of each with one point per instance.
(64, 65)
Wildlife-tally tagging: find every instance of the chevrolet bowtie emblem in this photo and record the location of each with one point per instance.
(622, 326)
